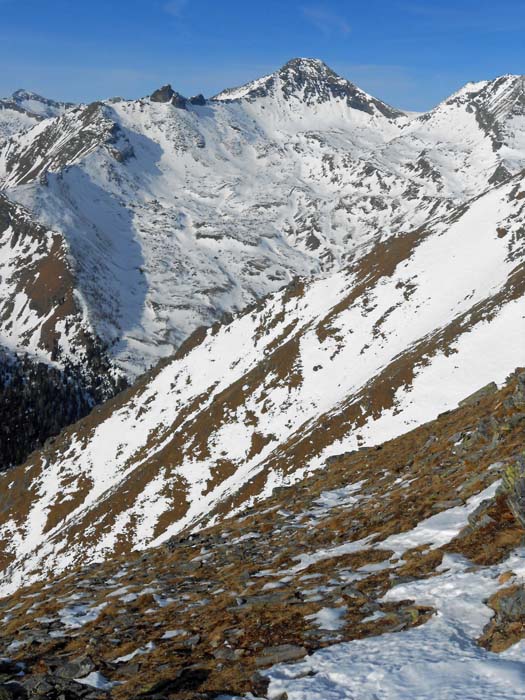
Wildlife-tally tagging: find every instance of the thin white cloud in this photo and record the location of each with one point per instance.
(175, 7)
(325, 20)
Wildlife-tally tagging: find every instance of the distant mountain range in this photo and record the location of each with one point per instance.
(24, 109)
(175, 211)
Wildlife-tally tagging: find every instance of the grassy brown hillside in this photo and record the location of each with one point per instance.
(206, 613)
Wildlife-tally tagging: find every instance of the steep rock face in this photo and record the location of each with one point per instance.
(408, 330)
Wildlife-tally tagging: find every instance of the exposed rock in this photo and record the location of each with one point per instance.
(508, 624)
(198, 100)
(280, 654)
(179, 101)
(163, 94)
(480, 518)
(77, 668)
(479, 394)
(514, 488)
(445, 505)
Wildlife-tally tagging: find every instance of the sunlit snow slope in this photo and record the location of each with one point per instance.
(354, 358)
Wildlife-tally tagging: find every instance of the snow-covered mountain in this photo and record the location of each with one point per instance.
(177, 211)
(334, 448)
(53, 367)
(24, 109)
(312, 83)
(473, 139)
(401, 333)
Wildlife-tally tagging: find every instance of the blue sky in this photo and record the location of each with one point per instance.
(411, 53)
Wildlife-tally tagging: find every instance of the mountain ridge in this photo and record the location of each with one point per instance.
(289, 193)
(269, 395)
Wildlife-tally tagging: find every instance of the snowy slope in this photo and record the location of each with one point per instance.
(24, 109)
(473, 139)
(351, 359)
(176, 212)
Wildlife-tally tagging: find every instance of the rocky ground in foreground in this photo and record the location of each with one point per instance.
(208, 613)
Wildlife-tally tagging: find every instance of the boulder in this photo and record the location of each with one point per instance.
(479, 394)
(280, 654)
(514, 488)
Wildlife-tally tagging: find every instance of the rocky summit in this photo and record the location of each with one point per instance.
(262, 394)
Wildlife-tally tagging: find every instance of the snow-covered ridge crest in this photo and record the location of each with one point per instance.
(24, 109)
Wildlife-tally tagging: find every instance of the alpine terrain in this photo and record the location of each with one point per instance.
(262, 393)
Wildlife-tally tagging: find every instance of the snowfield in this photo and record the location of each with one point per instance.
(438, 661)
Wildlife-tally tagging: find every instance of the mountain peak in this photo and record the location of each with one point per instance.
(306, 64)
(312, 82)
(22, 94)
(35, 104)
(493, 101)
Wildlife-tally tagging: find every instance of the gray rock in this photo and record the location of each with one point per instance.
(179, 101)
(163, 94)
(76, 668)
(198, 100)
(445, 505)
(228, 654)
(479, 394)
(280, 654)
(479, 517)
